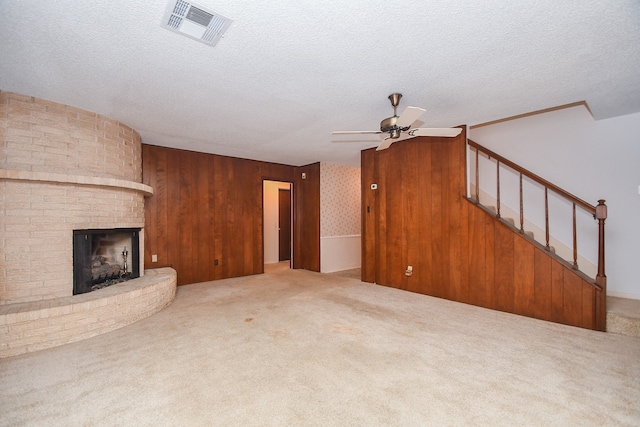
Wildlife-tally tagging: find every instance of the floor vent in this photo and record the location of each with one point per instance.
(195, 21)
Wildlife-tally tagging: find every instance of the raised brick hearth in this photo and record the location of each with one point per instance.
(26, 327)
(61, 169)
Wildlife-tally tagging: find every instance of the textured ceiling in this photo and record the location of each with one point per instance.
(287, 73)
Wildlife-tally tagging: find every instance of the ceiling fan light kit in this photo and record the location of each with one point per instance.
(395, 125)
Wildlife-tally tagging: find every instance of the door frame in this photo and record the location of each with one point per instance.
(291, 213)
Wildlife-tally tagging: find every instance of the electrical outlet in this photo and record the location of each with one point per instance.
(154, 258)
(409, 271)
(215, 262)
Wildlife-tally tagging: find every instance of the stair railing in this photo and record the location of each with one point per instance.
(599, 212)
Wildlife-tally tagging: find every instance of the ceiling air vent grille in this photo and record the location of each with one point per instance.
(180, 7)
(195, 21)
(174, 22)
(199, 16)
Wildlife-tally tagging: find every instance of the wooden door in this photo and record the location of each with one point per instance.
(284, 224)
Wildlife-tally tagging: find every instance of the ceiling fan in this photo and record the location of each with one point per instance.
(395, 125)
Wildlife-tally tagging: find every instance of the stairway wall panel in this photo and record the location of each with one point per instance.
(542, 285)
(523, 277)
(458, 251)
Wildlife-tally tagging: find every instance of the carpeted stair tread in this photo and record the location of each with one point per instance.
(513, 224)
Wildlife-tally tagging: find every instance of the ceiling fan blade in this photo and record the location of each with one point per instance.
(434, 132)
(388, 141)
(408, 116)
(385, 144)
(355, 132)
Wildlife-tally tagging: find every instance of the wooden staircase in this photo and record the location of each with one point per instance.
(599, 213)
(423, 232)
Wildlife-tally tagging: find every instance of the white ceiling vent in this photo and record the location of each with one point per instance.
(195, 21)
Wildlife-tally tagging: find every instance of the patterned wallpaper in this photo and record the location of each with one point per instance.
(339, 200)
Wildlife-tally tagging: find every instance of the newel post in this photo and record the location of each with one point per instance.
(601, 278)
(601, 216)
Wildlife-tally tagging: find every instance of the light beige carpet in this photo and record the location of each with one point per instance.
(623, 316)
(354, 273)
(292, 347)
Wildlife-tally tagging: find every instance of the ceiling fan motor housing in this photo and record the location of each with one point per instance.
(389, 125)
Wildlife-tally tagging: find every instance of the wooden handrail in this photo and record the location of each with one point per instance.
(587, 206)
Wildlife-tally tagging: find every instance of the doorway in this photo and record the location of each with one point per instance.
(277, 199)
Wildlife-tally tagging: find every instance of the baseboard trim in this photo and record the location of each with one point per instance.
(623, 295)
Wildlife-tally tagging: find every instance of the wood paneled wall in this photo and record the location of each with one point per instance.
(307, 218)
(419, 216)
(509, 272)
(207, 207)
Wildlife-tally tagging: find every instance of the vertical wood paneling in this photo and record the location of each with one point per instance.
(250, 226)
(477, 281)
(307, 201)
(173, 209)
(205, 208)
(425, 217)
(523, 277)
(382, 212)
(438, 222)
(557, 293)
(185, 219)
(393, 189)
(588, 306)
(572, 299)
(503, 294)
(220, 217)
(448, 212)
(411, 221)
(459, 251)
(368, 216)
(458, 222)
(161, 196)
(490, 259)
(543, 285)
(205, 239)
(233, 225)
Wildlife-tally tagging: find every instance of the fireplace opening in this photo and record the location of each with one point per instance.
(103, 257)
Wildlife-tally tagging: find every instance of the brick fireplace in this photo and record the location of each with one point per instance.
(61, 169)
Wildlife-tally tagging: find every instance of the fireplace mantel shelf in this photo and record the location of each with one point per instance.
(22, 175)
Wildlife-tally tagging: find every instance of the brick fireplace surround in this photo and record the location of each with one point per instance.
(63, 169)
